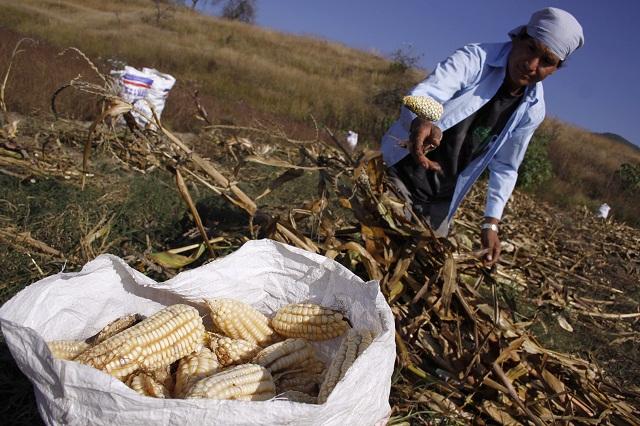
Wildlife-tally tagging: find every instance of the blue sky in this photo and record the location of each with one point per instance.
(598, 90)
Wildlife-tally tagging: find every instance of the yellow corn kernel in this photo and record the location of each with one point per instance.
(239, 320)
(309, 321)
(194, 367)
(154, 343)
(247, 382)
(423, 107)
(233, 351)
(354, 343)
(146, 385)
(67, 349)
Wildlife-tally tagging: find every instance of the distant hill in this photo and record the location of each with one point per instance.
(618, 138)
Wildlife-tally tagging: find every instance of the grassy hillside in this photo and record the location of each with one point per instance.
(586, 171)
(238, 69)
(618, 138)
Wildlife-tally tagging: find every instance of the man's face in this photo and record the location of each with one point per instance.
(530, 62)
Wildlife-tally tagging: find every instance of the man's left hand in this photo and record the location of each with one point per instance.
(491, 243)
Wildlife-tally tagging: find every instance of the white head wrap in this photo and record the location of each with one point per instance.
(555, 28)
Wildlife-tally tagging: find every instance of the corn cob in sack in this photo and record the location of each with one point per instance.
(263, 274)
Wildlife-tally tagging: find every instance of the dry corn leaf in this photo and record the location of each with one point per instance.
(331, 254)
(540, 410)
(387, 215)
(517, 372)
(100, 231)
(450, 282)
(375, 172)
(395, 291)
(442, 404)
(344, 202)
(281, 180)
(506, 325)
(176, 261)
(291, 236)
(390, 281)
(554, 383)
(511, 350)
(562, 321)
(375, 241)
(500, 415)
(370, 264)
(580, 366)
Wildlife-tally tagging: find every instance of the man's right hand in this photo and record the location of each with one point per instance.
(424, 134)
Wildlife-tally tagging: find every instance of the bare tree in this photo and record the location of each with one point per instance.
(163, 11)
(240, 10)
(195, 3)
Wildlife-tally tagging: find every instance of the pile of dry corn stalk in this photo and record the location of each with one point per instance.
(461, 354)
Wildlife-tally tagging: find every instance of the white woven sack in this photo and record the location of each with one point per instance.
(263, 273)
(147, 90)
(159, 92)
(134, 84)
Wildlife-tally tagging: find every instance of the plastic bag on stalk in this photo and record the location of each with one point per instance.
(262, 273)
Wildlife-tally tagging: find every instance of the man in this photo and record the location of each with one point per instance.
(493, 102)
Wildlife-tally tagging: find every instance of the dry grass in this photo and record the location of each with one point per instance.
(37, 72)
(585, 167)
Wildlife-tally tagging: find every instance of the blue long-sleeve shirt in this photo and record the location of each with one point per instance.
(463, 83)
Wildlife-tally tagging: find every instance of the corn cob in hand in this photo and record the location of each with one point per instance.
(424, 107)
(424, 137)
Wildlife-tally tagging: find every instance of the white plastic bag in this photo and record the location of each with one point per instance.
(603, 211)
(352, 140)
(157, 95)
(145, 89)
(263, 273)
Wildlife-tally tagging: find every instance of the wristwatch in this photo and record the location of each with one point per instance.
(491, 226)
